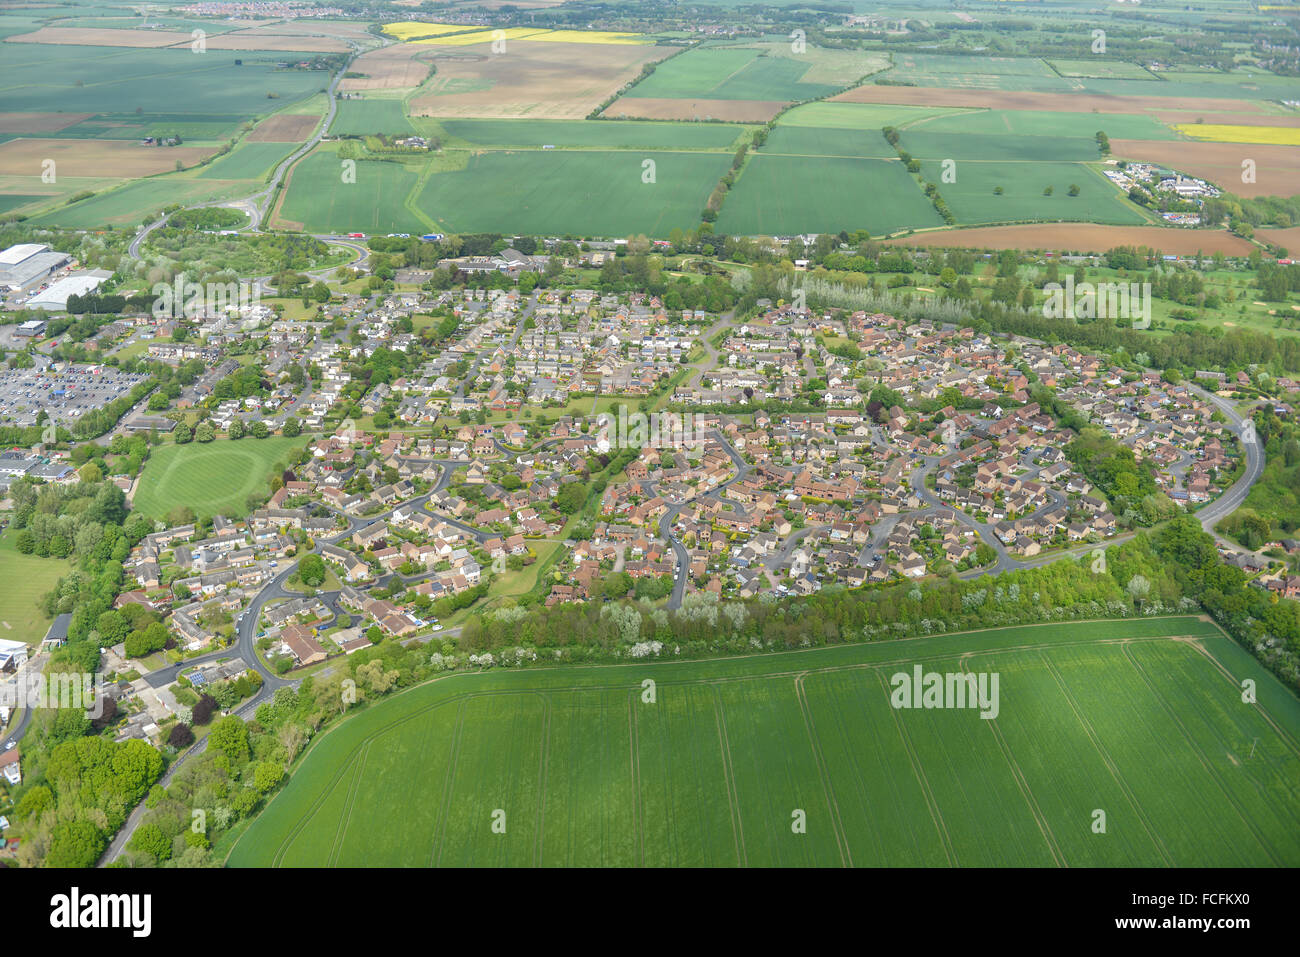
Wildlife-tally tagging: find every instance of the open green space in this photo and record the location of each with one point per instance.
(731, 73)
(26, 578)
(1047, 123)
(607, 134)
(141, 200)
(820, 141)
(925, 144)
(10, 201)
(861, 116)
(1141, 720)
(40, 77)
(1101, 68)
(322, 202)
(584, 192)
(370, 117)
(211, 478)
(247, 161)
(131, 126)
(972, 198)
(784, 195)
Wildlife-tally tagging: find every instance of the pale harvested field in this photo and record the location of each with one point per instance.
(98, 158)
(284, 128)
(1017, 100)
(102, 37)
(1081, 237)
(39, 122)
(537, 80)
(259, 40)
(736, 111)
(397, 67)
(1277, 168)
(332, 28)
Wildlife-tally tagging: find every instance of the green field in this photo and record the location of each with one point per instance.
(369, 117)
(320, 200)
(1099, 68)
(1046, 123)
(10, 201)
(862, 116)
(821, 141)
(583, 192)
(603, 134)
(26, 579)
(1109, 716)
(41, 77)
(783, 195)
(140, 200)
(213, 478)
(247, 161)
(130, 126)
(972, 200)
(922, 143)
(732, 73)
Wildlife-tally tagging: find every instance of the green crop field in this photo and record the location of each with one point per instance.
(584, 192)
(1097, 67)
(602, 134)
(576, 767)
(783, 195)
(821, 141)
(972, 200)
(42, 77)
(140, 200)
(862, 116)
(26, 578)
(1046, 123)
(212, 478)
(924, 144)
(320, 200)
(368, 117)
(247, 161)
(130, 126)
(729, 73)
(10, 201)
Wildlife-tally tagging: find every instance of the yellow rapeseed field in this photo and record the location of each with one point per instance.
(588, 36)
(482, 36)
(410, 28)
(1223, 133)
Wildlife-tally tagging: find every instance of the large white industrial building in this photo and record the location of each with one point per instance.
(27, 265)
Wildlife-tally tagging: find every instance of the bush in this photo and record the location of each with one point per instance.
(204, 709)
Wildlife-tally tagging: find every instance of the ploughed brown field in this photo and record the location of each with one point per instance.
(1277, 168)
(96, 158)
(284, 128)
(1024, 100)
(1288, 239)
(654, 108)
(1081, 237)
(539, 80)
(397, 67)
(39, 122)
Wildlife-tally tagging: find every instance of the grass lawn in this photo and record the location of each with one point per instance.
(26, 579)
(211, 478)
(515, 583)
(1150, 730)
